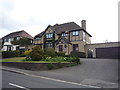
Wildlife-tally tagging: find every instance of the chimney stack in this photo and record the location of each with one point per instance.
(83, 24)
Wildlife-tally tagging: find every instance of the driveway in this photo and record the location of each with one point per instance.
(91, 70)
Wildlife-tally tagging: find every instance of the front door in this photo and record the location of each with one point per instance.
(60, 48)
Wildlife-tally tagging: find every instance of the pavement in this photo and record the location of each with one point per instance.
(92, 72)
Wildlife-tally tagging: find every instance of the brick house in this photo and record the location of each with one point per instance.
(8, 39)
(65, 37)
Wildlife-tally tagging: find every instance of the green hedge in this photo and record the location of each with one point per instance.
(78, 54)
(50, 52)
(60, 54)
(10, 54)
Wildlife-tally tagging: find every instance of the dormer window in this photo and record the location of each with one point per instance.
(49, 35)
(64, 34)
(6, 40)
(37, 38)
(18, 38)
(75, 33)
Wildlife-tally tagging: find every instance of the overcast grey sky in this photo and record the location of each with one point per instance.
(34, 16)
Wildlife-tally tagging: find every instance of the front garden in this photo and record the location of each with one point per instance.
(49, 56)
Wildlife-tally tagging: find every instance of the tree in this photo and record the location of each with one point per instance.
(22, 42)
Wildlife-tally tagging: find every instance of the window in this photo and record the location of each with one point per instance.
(18, 38)
(75, 47)
(49, 45)
(60, 48)
(49, 35)
(65, 46)
(37, 38)
(75, 33)
(12, 39)
(6, 40)
(64, 34)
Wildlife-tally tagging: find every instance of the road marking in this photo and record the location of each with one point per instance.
(52, 79)
(15, 85)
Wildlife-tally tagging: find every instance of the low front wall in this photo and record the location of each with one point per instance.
(33, 66)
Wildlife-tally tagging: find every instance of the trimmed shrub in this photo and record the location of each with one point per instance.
(37, 54)
(78, 54)
(50, 66)
(10, 54)
(27, 52)
(60, 54)
(49, 52)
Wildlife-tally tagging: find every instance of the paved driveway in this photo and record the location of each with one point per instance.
(96, 69)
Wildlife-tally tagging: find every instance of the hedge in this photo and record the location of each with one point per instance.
(10, 54)
(78, 54)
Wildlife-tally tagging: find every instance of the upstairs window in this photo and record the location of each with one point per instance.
(18, 38)
(6, 40)
(37, 38)
(49, 35)
(12, 39)
(64, 34)
(75, 33)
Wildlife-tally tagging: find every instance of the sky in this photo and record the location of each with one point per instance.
(34, 16)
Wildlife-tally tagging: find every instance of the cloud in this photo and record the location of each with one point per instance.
(7, 5)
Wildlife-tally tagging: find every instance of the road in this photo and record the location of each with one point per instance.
(92, 72)
(14, 80)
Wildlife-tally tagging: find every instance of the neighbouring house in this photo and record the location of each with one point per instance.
(65, 37)
(14, 40)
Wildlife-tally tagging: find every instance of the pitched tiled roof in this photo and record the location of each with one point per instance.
(21, 33)
(39, 35)
(65, 27)
(59, 28)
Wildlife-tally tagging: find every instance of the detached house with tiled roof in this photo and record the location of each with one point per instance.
(65, 37)
(14, 36)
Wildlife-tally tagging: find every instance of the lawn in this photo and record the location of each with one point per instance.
(17, 59)
(21, 59)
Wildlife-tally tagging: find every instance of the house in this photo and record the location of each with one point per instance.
(65, 37)
(14, 36)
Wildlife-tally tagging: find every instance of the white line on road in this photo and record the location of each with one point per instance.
(15, 85)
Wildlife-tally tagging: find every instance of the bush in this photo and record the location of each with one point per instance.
(50, 66)
(10, 54)
(76, 60)
(37, 54)
(50, 52)
(78, 54)
(27, 52)
(60, 54)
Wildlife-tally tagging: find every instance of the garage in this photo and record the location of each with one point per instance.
(108, 52)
